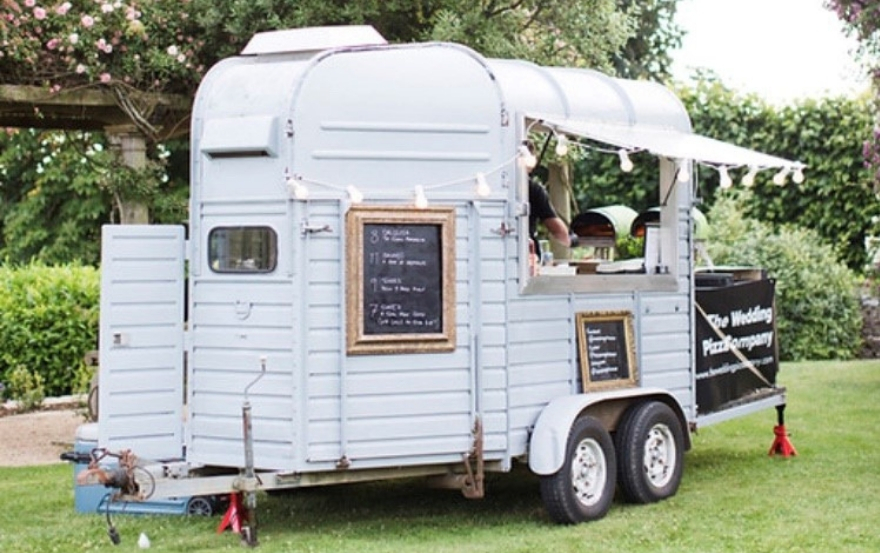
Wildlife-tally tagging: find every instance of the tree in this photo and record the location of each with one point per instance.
(165, 46)
(646, 54)
(564, 32)
(818, 314)
(861, 18)
(58, 188)
(53, 203)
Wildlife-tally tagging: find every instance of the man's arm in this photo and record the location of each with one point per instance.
(558, 230)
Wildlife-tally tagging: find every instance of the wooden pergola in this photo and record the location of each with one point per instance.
(129, 117)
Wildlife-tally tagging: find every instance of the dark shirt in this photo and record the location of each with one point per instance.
(539, 208)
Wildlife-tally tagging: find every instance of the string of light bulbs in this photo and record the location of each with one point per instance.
(779, 178)
(298, 186)
(525, 157)
(683, 174)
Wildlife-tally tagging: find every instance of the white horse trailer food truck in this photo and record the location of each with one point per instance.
(360, 301)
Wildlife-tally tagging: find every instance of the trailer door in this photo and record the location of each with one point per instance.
(141, 341)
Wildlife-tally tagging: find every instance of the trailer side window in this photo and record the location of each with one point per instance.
(243, 250)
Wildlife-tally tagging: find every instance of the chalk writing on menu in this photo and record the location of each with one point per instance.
(402, 279)
(606, 350)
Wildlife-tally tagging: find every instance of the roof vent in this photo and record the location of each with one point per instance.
(312, 39)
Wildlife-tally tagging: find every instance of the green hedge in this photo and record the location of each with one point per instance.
(818, 310)
(48, 322)
(837, 199)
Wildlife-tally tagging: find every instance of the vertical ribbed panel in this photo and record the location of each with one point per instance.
(141, 340)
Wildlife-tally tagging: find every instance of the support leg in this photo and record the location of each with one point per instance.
(781, 444)
(235, 515)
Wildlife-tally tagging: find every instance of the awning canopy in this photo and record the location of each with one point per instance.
(670, 143)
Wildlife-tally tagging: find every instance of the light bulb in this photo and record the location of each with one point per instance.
(683, 173)
(749, 178)
(355, 195)
(421, 200)
(299, 190)
(798, 175)
(561, 145)
(626, 164)
(725, 180)
(483, 189)
(779, 178)
(526, 158)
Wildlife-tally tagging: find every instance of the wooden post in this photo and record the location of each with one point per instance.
(133, 149)
(559, 189)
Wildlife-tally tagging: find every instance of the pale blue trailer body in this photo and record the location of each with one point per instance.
(352, 111)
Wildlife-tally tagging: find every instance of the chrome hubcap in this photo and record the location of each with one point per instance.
(589, 472)
(659, 462)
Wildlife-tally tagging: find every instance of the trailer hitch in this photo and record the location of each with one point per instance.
(121, 477)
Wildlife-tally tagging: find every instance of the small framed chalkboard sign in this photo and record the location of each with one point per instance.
(401, 279)
(607, 349)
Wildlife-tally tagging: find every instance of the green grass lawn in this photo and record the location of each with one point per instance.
(734, 497)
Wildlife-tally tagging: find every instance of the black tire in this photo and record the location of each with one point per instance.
(583, 488)
(200, 506)
(650, 452)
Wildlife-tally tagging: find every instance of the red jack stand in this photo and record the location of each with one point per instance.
(235, 515)
(781, 444)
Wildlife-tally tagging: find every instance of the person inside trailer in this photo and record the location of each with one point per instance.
(541, 210)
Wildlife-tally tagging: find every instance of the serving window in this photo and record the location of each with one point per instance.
(619, 248)
(245, 249)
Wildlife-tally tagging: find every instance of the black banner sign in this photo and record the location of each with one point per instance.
(736, 343)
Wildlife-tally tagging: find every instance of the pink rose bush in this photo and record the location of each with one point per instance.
(73, 43)
(862, 20)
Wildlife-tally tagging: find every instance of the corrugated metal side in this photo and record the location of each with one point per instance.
(543, 353)
(428, 115)
(665, 320)
(490, 304)
(376, 410)
(240, 149)
(665, 344)
(141, 340)
(236, 320)
(543, 349)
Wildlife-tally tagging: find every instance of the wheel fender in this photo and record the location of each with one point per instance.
(547, 443)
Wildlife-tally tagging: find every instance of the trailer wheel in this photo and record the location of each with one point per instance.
(200, 506)
(650, 447)
(583, 488)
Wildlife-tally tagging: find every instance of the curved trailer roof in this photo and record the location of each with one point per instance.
(628, 114)
(634, 115)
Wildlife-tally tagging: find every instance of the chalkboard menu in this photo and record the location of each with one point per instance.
(607, 353)
(401, 280)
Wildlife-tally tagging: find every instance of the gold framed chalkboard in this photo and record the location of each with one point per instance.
(400, 295)
(606, 348)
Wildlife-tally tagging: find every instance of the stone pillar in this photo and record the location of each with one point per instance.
(559, 189)
(133, 148)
